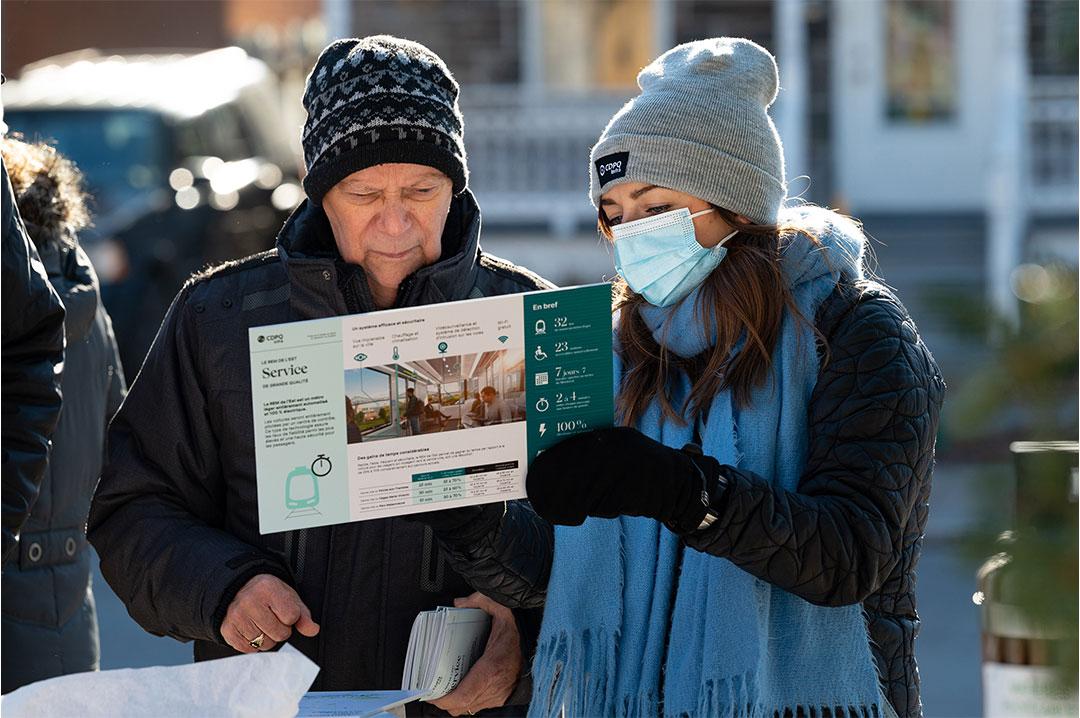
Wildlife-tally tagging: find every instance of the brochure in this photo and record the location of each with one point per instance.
(408, 410)
(443, 646)
(355, 704)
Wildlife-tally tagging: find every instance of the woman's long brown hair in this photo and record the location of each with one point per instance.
(745, 296)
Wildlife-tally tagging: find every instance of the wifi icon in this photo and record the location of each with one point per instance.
(503, 338)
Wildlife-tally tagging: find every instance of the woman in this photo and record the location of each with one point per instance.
(433, 412)
(49, 623)
(770, 477)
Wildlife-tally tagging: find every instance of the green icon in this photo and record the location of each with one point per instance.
(360, 357)
(396, 355)
(443, 346)
(503, 338)
(301, 489)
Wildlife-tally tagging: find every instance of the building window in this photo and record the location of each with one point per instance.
(369, 392)
(591, 45)
(920, 63)
(1052, 37)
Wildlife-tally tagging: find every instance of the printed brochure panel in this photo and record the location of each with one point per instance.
(425, 408)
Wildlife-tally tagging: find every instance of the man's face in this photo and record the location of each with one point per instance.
(488, 397)
(389, 220)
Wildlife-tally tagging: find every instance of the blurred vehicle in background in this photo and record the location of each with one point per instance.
(186, 158)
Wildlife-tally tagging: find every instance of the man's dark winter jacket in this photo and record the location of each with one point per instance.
(175, 519)
(33, 354)
(853, 531)
(48, 610)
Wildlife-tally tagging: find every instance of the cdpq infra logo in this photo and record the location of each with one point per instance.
(272, 338)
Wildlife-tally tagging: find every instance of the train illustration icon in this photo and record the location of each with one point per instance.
(302, 487)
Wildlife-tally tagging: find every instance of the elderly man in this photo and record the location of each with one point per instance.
(388, 223)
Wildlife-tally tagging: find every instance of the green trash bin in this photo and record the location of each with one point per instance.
(1024, 643)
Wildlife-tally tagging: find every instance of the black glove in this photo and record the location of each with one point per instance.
(462, 527)
(612, 472)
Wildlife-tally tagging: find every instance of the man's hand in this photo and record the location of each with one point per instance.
(268, 606)
(492, 678)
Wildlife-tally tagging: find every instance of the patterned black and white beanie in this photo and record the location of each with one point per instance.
(376, 100)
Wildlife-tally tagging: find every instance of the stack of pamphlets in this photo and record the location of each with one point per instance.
(443, 646)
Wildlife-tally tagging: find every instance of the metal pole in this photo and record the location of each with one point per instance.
(337, 18)
(789, 19)
(663, 26)
(532, 48)
(1009, 175)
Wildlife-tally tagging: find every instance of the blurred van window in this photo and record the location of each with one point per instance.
(122, 152)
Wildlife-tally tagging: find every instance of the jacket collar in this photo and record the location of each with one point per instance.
(73, 278)
(318, 274)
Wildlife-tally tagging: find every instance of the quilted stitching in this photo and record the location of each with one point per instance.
(853, 532)
(510, 564)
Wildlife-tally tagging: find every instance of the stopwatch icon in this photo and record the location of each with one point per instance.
(321, 466)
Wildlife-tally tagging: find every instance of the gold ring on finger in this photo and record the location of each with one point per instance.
(257, 642)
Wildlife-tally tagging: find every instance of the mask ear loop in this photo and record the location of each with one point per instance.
(722, 241)
(725, 239)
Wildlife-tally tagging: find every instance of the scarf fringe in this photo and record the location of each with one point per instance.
(725, 698)
(870, 711)
(573, 679)
(575, 672)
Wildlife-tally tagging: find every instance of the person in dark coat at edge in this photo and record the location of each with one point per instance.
(49, 621)
(389, 222)
(33, 360)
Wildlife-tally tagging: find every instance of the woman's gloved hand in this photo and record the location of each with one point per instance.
(620, 471)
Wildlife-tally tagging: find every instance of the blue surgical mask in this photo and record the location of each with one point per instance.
(660, 258)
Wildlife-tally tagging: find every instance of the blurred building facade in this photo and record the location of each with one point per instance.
(949, 127)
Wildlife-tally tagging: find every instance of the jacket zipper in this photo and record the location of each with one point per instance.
(326, 598)
(403, 290)
(387, 540)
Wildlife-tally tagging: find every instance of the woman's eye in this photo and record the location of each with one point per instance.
(612, 221)
(659, 209)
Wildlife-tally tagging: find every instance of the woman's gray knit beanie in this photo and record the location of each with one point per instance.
(701, 126)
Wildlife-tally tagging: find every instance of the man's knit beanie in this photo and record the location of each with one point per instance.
(376, 100)
(700, 126)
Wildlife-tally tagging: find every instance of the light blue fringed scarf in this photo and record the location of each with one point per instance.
(738, 646)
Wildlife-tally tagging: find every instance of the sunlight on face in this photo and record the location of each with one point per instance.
(636, 200)
(389, 219)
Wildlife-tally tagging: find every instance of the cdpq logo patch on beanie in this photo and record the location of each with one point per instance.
(612, 167)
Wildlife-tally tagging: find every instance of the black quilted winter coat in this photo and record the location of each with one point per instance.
(852, 533)
(175, 515)
(48, 615)
(33, 360)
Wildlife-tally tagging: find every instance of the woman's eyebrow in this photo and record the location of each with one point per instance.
(638, 192)
(633, 195)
